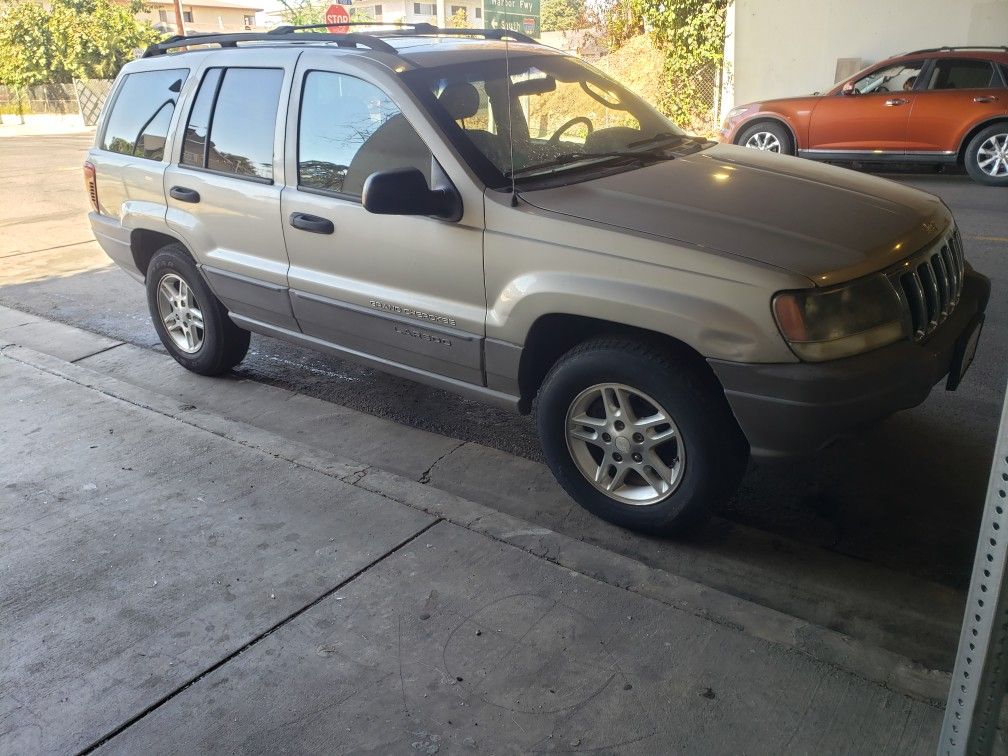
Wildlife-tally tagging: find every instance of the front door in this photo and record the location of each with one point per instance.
(223, 186)
(959, 92)
(871, 115)
(406, 290)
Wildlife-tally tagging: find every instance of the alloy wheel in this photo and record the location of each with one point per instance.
(764, 140)
(992, 156)
(180, 313)
(625, 443)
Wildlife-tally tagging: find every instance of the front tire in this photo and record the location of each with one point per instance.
(639, 436)
(191, 322)
(768, 136)
(986, 156)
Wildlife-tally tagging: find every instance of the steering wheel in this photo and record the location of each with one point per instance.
(579, 119)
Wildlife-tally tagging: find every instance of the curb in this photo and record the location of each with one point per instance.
(868, 662)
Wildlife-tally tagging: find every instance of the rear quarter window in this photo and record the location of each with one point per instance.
(141, 113)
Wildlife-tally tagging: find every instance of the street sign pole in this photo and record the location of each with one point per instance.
(981, 668)
(179, 19)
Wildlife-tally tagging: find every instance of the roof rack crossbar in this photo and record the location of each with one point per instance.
(948, 48)
(419, 27)
(496, 34)
(232, 40)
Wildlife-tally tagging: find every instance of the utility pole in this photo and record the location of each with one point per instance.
(179, 24)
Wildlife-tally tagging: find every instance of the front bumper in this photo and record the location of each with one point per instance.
(795, 409)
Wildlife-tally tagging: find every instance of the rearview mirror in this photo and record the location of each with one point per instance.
(537, 86)
(404, 191)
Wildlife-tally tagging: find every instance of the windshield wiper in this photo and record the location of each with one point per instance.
(566, 158)
(661, 136)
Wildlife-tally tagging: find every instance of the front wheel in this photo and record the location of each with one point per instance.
(986, 156)
(767, 136)
(192, 323)
(638, 436)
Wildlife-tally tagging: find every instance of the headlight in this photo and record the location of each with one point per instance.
(736, 112)
(831, 323)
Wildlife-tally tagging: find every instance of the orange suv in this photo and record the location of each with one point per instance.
(944, 105)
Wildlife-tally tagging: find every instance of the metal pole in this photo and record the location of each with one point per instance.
(179, 20)
(981, 669)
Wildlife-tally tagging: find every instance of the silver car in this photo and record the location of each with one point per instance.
(485, 214)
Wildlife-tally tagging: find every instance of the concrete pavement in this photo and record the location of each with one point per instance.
(177, 581)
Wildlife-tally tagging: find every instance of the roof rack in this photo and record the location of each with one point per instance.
(420, 29)
(232, 40)
(947, 48)
(350, 39)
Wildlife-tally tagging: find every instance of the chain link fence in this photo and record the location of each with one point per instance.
(91, 95)
(82, 96)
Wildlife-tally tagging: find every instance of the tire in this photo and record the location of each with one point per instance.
(706, 454)
(775, 136)
(177, 296)
(986, 156)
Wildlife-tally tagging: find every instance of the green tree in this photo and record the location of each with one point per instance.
(68, 39)
(303, 12)
(562, 15)
(458, 20)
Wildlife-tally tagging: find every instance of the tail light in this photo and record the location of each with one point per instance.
(91, 184)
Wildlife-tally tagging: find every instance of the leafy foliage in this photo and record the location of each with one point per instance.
(689, 33)
(562, 15)
(69, 39)
(458, 20)
(303, 12)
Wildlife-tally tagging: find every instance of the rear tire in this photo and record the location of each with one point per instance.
(191, 322)
(768, 136)
(986, 156)
(702, 460)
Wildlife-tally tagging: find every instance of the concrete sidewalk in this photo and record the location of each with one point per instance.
(175, 581)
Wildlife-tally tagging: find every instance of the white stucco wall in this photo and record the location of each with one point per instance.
(790, 47)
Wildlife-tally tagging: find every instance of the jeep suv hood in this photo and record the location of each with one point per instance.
(828, 224)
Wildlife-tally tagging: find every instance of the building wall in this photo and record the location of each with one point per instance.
(204, 18)
(777, 48)
(437, 12)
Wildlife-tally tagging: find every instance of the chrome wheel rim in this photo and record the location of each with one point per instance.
(764, 140)
(992, 157)
(180, 313)
(625, 444)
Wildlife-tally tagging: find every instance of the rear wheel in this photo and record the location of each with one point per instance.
(986, 156)
(768, 136)
(637, 436)
(191, 322)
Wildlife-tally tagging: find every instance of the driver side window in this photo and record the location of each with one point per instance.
(900, 77)
(350, 129)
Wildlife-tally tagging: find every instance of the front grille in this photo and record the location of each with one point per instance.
(931, 283)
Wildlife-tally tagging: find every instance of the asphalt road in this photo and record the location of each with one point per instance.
(905, 495)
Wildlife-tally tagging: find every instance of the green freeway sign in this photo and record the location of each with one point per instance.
(516, 15)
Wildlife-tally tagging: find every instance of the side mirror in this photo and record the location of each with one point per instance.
(404, 191)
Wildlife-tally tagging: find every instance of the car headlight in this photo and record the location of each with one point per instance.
(826, 324)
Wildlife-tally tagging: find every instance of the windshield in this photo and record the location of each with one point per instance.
(563, 116)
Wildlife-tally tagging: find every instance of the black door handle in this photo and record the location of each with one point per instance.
(184, 195)
(312, 223)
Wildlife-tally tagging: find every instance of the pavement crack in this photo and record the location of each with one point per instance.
(95, 354)
(257, 639)
(425, 475)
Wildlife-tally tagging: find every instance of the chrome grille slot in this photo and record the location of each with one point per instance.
(931, 283)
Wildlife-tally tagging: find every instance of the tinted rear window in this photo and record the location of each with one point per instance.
(142, 111)
(238, 107)
(963, 74)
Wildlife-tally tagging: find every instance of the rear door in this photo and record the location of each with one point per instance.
(223, 186)
(406, 290)
(959, 93)
(873, 114)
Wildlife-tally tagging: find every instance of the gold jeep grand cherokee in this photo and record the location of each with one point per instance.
(485, 214)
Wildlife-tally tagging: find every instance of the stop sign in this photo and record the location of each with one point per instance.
(337, 18)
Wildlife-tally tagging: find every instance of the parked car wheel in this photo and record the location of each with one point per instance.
(986, 155)
(192, 323)
(768, 136)
(637, 436)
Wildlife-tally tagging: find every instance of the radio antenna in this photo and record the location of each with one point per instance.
(507, 73)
